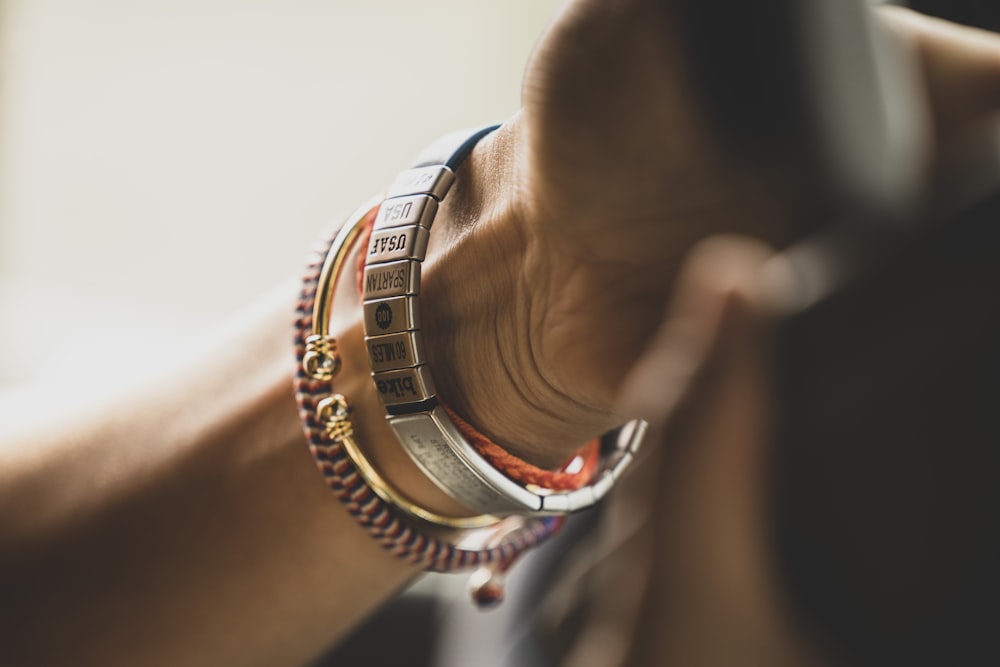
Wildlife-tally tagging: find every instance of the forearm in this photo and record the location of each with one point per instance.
(183, 524)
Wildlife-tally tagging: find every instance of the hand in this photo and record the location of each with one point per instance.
(567, 226)
(554, 256)
(699, 584)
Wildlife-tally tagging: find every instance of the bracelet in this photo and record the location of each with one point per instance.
(391, 286)
(511, 517)
(574, 474)
(435, 542)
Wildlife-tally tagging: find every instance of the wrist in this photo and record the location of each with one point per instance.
(487, 290)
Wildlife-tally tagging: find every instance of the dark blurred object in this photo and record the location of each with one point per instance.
(888, 453)
(889, 449)
(820, 87)
(402, 632)
(978, 13)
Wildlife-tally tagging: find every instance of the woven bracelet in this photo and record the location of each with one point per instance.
(405, 536)
(519, 505)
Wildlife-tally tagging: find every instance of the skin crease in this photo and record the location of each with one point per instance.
(192, 527)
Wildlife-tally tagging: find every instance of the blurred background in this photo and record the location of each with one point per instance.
(164, 163)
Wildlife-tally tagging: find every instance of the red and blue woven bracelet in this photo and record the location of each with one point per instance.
(397, 531)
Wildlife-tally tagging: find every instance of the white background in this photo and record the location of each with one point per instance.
(163, 163)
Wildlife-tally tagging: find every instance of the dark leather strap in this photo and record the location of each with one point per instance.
(452, 149)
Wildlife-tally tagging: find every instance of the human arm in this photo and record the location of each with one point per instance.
(137, 457)
(180, 521)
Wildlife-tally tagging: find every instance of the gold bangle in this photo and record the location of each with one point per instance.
(322, 362)
(334, 412)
